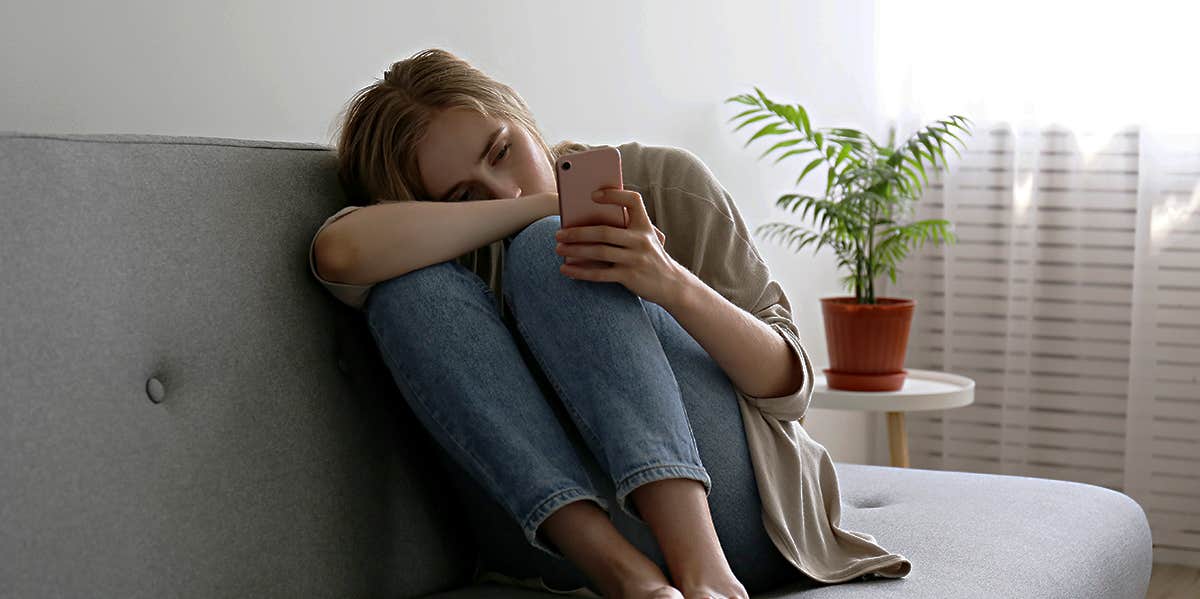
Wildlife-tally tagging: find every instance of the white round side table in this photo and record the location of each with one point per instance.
(922, 390)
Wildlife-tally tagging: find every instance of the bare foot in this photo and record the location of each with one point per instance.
(647, 589)
(715, 587)
(646, 582)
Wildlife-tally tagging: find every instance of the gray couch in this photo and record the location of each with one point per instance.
(187, 413)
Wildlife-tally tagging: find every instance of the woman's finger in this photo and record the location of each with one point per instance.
(632, 200)
(596, 234)
(595, 251)
(600, 274)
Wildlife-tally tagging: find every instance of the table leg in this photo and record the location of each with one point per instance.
(897, 439)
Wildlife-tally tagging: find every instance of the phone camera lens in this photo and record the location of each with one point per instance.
(566, 166)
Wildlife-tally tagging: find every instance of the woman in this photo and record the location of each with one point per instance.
(591, 416)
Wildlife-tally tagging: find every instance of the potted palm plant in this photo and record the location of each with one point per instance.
(869, 194)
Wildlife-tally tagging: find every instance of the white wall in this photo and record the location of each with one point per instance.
(599, 72)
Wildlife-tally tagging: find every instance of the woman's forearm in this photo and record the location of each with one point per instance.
(757, 360)
(383, 241)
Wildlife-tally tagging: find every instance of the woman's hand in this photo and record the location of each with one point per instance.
(638, 259)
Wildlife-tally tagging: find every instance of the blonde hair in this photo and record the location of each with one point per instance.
(382, 123)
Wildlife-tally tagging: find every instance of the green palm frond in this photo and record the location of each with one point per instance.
(869, 187)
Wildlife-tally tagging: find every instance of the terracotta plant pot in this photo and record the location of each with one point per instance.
(866, 342)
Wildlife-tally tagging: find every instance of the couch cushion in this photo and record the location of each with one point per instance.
(175, 420)
(974, 535)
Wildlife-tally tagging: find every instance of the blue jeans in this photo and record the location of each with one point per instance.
(592, 393)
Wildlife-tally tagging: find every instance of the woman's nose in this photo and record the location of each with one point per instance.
(505, 190)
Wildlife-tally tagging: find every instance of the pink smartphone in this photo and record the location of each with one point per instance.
(578, 175)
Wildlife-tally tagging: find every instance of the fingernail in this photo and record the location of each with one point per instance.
(597, 194)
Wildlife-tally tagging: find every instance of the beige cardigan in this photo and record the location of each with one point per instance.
(705, 233)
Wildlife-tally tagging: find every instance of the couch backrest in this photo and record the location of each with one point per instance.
(186, 412)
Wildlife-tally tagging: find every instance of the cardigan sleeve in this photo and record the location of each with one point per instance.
(354, 296)
(709, 237)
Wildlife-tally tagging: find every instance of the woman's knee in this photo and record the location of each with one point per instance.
(532, 249)
(543, 228)
(427, 291)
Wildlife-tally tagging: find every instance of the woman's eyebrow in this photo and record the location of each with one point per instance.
(486, 146)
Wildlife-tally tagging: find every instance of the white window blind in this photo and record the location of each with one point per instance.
(1072, 298)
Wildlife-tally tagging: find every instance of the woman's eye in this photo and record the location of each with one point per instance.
(463, 197)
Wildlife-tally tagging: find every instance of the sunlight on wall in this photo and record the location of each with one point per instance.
(1093, 67)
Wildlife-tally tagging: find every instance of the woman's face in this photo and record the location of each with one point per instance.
(466, 156)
